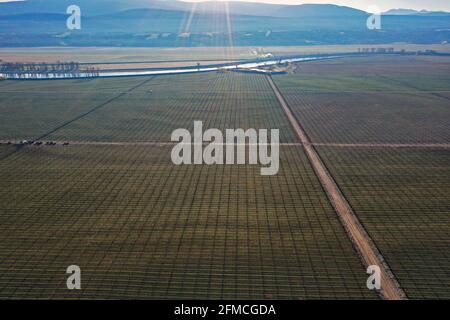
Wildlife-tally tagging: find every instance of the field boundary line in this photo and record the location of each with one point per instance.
(365, 246)
(384, 145)
(410, 90)
(134, 143)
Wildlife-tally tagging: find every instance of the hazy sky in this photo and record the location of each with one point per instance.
(365, 4)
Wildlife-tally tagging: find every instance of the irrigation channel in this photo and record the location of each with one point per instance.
(244, 66)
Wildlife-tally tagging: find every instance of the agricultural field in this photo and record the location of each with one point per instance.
(360, 101)
(141, 227)
(139, 109)
(163, 104)
(373, 117)
(30, 110)
(5, 150)
(402, 198)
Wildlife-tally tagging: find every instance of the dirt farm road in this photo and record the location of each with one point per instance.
(368, 252)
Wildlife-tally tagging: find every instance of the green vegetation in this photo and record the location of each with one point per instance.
(402, 198)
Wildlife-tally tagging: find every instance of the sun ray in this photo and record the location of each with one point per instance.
(229, 31)
(187, 27)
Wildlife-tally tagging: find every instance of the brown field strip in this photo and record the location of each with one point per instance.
(369, 253)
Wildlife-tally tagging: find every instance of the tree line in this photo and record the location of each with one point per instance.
(47, 70)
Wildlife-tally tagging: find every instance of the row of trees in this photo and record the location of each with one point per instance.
(376, 50)
(46, 70)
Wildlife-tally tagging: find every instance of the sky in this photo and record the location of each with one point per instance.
(365, 4)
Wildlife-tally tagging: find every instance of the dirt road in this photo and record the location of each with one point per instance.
(368, 252)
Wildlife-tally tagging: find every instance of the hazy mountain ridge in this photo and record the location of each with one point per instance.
(175, 23)
(407, 12)
(99, 7)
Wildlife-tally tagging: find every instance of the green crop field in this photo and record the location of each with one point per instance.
(140, 227)
(402, 198)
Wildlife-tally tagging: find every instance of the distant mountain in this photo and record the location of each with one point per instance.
(400, 12)
(173, 23)
(273, 10)
(99, 7)
(318, 10)
(88, 7)
(409, 12)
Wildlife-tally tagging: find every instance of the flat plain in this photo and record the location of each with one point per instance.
(138, 109)
(372, 99)
(141, 227)
(374, 122)
(402, 198)
(177, 55)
